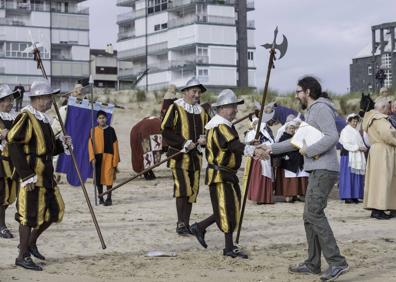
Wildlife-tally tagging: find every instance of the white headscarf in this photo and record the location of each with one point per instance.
(352, 141)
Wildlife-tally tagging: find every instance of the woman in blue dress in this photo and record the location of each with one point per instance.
(353, 162)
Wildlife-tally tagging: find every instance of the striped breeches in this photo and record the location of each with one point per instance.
(39, 206)
(8, 191)
(186, 183)
(226, 199)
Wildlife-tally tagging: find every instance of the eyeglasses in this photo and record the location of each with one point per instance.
(298, 91)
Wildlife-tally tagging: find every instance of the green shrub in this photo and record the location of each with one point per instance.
(141, 95)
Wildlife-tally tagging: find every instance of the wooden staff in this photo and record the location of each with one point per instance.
(40, 65)
(163, 161)
(282, 48)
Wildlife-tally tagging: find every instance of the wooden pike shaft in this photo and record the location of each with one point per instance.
(270, 65)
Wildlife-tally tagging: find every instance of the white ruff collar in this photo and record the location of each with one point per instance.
(216, 121)
(39, 115)
(192, 109)
(8, 116)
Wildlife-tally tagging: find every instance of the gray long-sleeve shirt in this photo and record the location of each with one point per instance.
(321, 115)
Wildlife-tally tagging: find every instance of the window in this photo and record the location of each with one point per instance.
(159, 27)
(17, 50)
(203, 72)
(156, 6)
(250, 55)
(203, 75)
(370, 70)
(202, 51)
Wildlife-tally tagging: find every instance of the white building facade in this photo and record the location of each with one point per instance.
(184, 38)
(61, 27)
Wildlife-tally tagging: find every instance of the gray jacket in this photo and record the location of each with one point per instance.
(321, 115)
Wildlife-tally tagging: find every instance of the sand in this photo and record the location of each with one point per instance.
(143, 219)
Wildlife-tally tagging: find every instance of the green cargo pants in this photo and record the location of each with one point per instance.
(320, 237)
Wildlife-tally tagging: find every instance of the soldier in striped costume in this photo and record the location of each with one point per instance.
(31, 144)
(224, 153)
(8, 186)
(182, 128)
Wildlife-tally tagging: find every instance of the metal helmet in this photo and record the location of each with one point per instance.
(227, 97)
(41, 88)
(6, 91)
(193, 82)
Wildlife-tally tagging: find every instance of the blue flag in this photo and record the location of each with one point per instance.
(78, 125)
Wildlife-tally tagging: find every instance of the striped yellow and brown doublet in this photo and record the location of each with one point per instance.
(179, 126)
(31, 145)
(8, 186)
(224, 153)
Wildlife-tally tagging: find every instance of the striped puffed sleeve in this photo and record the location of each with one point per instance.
(20, 135)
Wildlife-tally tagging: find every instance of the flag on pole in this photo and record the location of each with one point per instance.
(78, 125)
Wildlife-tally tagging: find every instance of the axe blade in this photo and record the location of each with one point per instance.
(282, 48)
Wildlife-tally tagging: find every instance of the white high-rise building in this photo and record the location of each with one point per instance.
(60, 26)
(178, 39)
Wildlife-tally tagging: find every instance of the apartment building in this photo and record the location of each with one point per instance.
(61, 29)
(178, 39)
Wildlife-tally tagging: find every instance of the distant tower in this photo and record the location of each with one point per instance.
(242, 43)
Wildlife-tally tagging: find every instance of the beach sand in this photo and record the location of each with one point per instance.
(143, 219)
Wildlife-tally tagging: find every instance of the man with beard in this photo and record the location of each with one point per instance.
(31, 144)
(320, 160)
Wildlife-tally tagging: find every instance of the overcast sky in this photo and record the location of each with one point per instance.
(323, 36)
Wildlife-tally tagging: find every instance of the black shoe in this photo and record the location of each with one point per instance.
(101, 201)
(28, 263)
(381, 215)
(5, 233)
(108, 202)
(236, 252)
(356, 201)
(182, 229)
(333, 272)
(199, 234)
(303, 268)
(149, 175)
(348, 201)
(35, 252)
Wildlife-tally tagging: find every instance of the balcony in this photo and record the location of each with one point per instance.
(70, 69)
(250, 5)
(176, 4)
(126, 35)
(201, 20)
(61, 57)
(72, 10)
(158, 48)
(70, 21)
(130, 73)
(8, 21)
(125, 3)
(189, 63)
(130, 16)
(251, 24)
